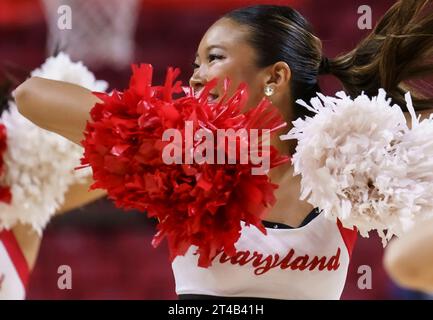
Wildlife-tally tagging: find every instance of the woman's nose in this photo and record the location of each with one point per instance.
(198, 80)
(196, 83)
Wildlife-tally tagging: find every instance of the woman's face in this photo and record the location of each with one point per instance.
(224, 53)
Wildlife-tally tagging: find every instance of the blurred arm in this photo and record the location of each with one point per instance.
(57, 106)
(29, 241)
(409, 260)
(79, 195)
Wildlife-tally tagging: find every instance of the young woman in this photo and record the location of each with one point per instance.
(274, 51)
(27, 171)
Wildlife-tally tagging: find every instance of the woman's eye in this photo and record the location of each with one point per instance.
(195, 65)
(213, 57)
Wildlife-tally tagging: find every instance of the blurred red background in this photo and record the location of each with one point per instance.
(108, 250)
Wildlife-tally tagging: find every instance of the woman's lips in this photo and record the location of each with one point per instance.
(212, 97)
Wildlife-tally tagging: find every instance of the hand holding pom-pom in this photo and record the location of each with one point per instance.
(360, 163)
(200, 204)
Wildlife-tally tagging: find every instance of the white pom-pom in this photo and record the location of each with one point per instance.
(361, 163)
(61, 68)
(39, 165)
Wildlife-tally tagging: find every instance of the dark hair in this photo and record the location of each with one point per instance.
(11, 75)
(394, 52)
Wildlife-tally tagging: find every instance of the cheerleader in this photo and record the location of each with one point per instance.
(37, 180)
(275, 52)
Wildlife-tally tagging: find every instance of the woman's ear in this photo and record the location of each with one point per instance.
(279, 75)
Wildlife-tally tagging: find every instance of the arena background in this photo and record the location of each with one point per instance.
(109, 250)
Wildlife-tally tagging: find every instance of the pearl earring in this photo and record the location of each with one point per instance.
(269, 91)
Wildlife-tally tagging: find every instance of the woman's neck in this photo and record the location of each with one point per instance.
(288, 209)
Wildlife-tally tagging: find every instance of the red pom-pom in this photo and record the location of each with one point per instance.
(195, 204)
(5, 191)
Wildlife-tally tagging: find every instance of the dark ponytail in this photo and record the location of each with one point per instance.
(397, 50)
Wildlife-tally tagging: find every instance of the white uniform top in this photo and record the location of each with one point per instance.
(14, 271)
(309, 262)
